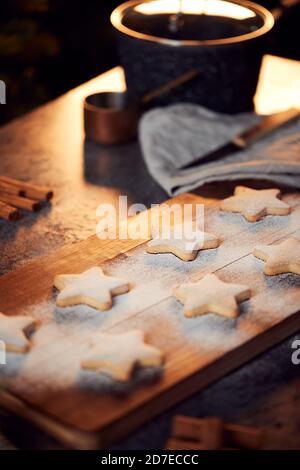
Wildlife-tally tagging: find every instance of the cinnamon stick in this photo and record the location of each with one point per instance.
(186, 427)
(8, 212)
(30, 190)
(181, 444)
(20, 202)
(234, 435)
(208, 431)
(244, 437)
(10, 189)
(212, 433)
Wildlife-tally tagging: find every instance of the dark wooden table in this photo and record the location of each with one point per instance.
(48, 146)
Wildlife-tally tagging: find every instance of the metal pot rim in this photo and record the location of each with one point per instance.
(263, 12)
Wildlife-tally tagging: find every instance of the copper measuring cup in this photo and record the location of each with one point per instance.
(112, 117)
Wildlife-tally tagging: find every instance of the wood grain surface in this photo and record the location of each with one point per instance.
(87, 410)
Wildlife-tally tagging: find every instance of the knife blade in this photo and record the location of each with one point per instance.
(244, 140)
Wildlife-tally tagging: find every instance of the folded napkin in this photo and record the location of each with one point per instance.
(173, 136)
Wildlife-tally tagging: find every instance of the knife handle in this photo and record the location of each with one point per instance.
(264, 127)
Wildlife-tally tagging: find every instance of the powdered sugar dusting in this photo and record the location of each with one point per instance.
(53, 364)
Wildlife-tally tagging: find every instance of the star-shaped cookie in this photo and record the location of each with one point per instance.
(185, 248)
(14, 331)
(211, 295)
(118, 355)
(281, 258)
(91, 287)
(255, 204)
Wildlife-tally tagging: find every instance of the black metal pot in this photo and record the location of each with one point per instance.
(224, 40)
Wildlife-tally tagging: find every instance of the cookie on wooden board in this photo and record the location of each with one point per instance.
(118, 355)
(281, 258)
(185, 248)
(92, 288)
(15, 331)
(254, 204)
(211, 295)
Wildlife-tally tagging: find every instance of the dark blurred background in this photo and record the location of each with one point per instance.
(49, 46)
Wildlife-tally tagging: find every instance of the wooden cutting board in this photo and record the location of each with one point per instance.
(85, 409)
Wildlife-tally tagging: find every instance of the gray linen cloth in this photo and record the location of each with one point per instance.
(175, 135)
